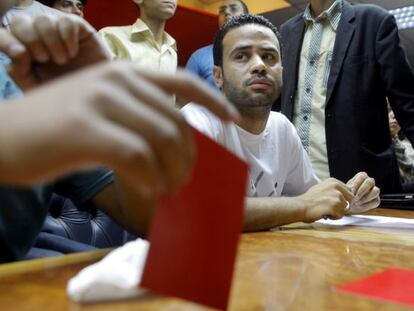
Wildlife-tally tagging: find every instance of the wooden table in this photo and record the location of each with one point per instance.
(296, 268)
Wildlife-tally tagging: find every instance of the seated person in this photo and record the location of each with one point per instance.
(283, 187)
(68, 6)
(91, 113)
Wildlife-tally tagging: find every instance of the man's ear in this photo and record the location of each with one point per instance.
(218, 76)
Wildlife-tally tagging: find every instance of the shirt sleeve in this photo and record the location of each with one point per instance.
(82, 187)
(192, 64)
(107, 42)
(201, 119)
(301, 175)
(9, 89)
(12, 90)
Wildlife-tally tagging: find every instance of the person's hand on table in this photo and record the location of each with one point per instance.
(329, 198)
(367, 195)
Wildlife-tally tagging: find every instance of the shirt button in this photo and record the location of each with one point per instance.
(305, 118)
(307, 90)
(312, 62)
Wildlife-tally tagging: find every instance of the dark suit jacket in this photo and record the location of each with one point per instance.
(368, 65)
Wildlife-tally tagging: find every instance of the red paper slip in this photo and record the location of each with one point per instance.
(394, 285)
(194, 235)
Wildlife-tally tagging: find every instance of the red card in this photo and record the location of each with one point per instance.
(395, 285)
(194, 235)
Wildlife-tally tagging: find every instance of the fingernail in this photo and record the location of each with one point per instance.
(15, 49)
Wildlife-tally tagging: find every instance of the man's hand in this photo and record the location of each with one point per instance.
(367, 195)
(394, 126)
(44, 48)
(329, 198)
(112, 114)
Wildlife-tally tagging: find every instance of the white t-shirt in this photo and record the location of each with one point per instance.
(33, 10)
(278, 163)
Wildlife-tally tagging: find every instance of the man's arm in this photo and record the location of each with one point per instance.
(121, 203)
(193, 64)
(329, 198)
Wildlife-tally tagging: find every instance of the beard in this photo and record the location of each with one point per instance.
(250, 104)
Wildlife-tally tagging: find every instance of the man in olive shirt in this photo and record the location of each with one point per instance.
(146, 42)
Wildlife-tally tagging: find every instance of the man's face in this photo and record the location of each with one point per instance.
(228, 9)
(251, 76)
(5, 5)
(158, 9)
(69, 6)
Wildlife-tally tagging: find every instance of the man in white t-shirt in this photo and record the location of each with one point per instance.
(282, 185)
(31, 8)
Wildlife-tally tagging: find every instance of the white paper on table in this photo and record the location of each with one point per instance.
(116, 276)
(371, 221)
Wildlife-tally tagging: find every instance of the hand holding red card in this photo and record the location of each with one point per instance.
(195, 233)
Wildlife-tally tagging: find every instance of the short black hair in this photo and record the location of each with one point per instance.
(245, 8)
(234, 22)
(51, 2)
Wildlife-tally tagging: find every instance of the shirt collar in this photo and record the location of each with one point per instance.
(332, 14)
(140, 27)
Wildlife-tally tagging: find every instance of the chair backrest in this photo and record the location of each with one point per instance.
(89, 226)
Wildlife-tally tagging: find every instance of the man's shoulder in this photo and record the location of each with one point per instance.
(369, 16)
(291, 21)
(194, 109)
(279, 119)
(114, 30)
(281, 125)
(370, 9)
(203, 120)
(205, 50)
(197, 115)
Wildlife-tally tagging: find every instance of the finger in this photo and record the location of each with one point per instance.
(69, 32)
(88, 39)
(192, 89)
(22, 28)
(365, 188)
(371, 195)
(360, 208)
(19, 55)
(357, 181)
(10, 46)
(49, 33)
(126, 152)
(374, 203)
(344, 189)
(155, 99)
(169, 145)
